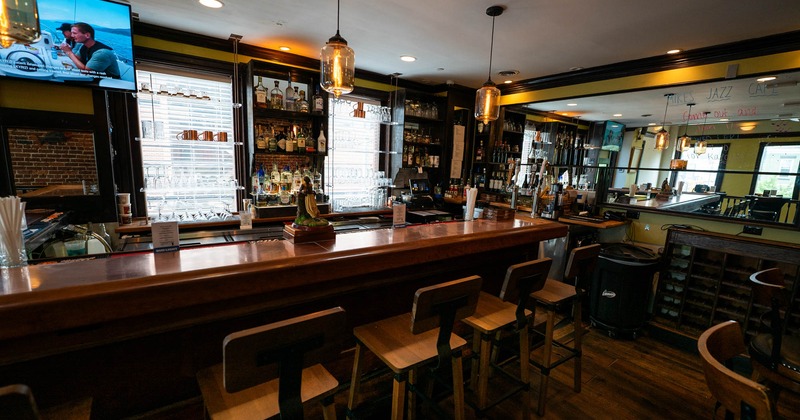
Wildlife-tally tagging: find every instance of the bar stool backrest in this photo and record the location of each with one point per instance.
(281, 349)
(581, 264)
(459, 297)
(522, 280)
(769, 290)
(16, 402)
(735, 392)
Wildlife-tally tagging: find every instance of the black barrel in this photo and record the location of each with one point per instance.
(621, 288)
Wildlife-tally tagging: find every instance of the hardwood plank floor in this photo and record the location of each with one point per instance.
(621, 379)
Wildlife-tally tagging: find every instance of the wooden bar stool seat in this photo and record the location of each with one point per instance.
(407, 342)
(506, 312)
(553, 295)
(264, 373)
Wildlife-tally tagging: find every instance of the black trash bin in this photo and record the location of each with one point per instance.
(620, 288)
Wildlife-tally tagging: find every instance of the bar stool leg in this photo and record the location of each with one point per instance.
(524, 372)
(458, 387)
(398, 396)
(475, 363)
(578, 341)
(355, 381)
(412, 395)
(328, 409)
(548, 347)
(483, 379)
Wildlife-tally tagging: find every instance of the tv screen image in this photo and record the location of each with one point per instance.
(111, 65)
(612, 136)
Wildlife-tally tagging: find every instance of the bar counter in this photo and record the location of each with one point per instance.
(163, 316)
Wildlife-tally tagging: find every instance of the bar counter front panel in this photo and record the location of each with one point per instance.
(132, 330)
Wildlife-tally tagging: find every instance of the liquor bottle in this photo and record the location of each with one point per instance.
(311, 144)
(276, 97)
(288, 97)
(261, 95)
(302, 103)
(276, 177)
(318, 102)
(301, 142)
(322, 142)
(290, 143)
(297, 179)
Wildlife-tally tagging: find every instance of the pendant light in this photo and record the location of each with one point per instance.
(487, 99)
(685, 142)
(662, 137)
(337, 64)
(19, 22)
(702, 144)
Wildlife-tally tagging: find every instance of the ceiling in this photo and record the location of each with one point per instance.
(451, 38)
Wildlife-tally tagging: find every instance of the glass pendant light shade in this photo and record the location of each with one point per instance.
(487, 103)
(19, 22)
(662, 137)
(487, 98)
(685, 142)
(337, 62)
(701, 144)
(337, 66)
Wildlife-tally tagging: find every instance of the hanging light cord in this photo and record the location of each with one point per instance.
(338, 5)
(491, 50)
(688, 118)
(664, 121)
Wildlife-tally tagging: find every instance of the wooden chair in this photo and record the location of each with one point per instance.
(495, 314)
(554, 294)
(407, 342)
(774, 349)
(739, 395)
(17, 402)
(262, 373)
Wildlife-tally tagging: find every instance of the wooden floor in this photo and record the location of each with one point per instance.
(622, 379)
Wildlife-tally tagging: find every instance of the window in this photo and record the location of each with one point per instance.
(711, 161)
(186, 136)
(352, 167)
(781, 161)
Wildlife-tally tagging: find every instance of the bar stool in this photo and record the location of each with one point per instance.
(262, 373)
(581, 263)
(496, 314)
(407, 342)
(17, 402)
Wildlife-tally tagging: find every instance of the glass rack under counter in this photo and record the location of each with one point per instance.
(705, 279)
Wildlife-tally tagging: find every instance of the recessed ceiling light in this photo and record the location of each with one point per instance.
(214, 4)
(572, 104)
(673, 51)
(651, 124)
(408, 58)
(617, 115)
(508, 81)
(284, 48)
(766, 79)
(723, 119)
(575, 68)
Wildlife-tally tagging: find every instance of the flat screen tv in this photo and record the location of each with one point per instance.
(46, 60)
(613, 133)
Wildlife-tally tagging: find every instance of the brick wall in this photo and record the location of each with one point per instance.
(39, 159)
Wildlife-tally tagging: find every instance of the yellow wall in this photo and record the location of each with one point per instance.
(45, 97)
(655, 221)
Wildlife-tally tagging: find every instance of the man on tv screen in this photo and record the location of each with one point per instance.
(93, 56)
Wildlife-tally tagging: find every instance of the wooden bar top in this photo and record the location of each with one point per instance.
(50, 298)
